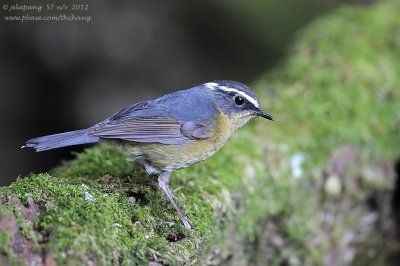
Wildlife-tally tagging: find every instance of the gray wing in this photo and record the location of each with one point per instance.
(145, 123)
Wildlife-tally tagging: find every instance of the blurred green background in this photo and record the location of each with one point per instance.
(319, 186)
(60, 76)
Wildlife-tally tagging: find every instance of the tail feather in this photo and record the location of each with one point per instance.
(61, 140)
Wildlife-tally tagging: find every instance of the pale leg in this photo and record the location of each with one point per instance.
(163, 181)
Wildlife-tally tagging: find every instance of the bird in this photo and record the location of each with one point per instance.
(171, 132)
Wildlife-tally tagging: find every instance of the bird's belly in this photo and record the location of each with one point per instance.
(158, 157)
(163, 157)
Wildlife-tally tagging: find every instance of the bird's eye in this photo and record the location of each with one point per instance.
(239, 100)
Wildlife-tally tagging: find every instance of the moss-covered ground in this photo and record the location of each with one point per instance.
(295, 192)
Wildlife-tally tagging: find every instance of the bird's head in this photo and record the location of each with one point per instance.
(236, 101)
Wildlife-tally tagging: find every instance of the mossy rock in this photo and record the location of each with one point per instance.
(335, 100)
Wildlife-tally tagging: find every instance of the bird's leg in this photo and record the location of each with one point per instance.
(163, 182)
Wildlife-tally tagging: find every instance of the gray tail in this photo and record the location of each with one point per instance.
(61, 140)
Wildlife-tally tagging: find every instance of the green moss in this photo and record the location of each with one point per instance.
(333, 89)
(6, 239)
(341, 82)
(108, 228)
(339, 86)
(120, 217)
(93, 163)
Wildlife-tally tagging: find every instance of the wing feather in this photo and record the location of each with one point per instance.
(153, 129)
(163, 130)
(151, 121)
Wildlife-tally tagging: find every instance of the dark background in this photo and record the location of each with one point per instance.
(62, 76)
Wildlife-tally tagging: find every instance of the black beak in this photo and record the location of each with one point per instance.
(264, 115)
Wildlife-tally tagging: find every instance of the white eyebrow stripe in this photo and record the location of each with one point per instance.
(241, 93)
(211, 85)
